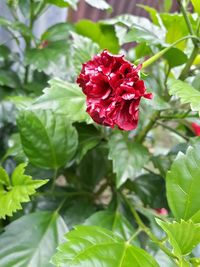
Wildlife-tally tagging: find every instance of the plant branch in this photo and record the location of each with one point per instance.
(172, 130)
(157, 56)
(101, 189)
(188, 65)
(141, 136)
(195, 50)
(187, 20)
(146, 229)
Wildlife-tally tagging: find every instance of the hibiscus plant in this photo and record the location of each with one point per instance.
(99, 126)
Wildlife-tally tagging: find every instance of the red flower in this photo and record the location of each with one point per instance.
(113, 89)
(162, 211)
(196, 128)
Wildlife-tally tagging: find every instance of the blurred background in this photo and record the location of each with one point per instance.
(54, 14)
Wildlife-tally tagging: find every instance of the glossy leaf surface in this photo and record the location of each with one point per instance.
(42, 232)
(54, 141)
(109, 250)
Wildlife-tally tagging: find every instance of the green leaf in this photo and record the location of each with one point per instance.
(15, 149)
(71, 210)
(100, 4)
(57, 32)
(4, 52)
(95, 246)
(88, 138)
(183, 236)
(64, 98)
(64, 3)
(89, 172)
(139, 34)
(196, 82)
(50, 59)
(152, 12)
(82, 50)
(176, 27)
(103, 35)
(7, 113)
(168, 5)
(195, 262)
(113, 221)
(196, 5)
(31, 240)
(183, 181)
(16, 26)
(21, 187)
(175, 57)
(140, 29)
(150, 188)
(54, 141)
(10, 79)
(128, 157)
(4, 178)
(186, 93)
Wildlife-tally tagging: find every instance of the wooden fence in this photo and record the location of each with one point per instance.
(119, 7)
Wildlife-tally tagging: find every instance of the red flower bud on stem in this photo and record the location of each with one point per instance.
(113, 90)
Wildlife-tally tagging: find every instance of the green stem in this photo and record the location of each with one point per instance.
(188, 65)
(172, 130)
(141, 136)
(101, 189)
(178, 117)
(195, 51)
(28, 41)
(187, 20)
(146, 229)
(54, 180)
(154, 58)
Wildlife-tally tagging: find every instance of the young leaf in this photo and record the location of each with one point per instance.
(32, 240)
(128, 157)
(183, 236)
(54, 141)
(113, 221)
(183, 182)
(64, 98)
(186, 93)
(16, 192)
(4, 178)
(95, 246)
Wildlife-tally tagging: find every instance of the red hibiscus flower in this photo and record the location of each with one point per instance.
(196, 128)
(113, 89)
